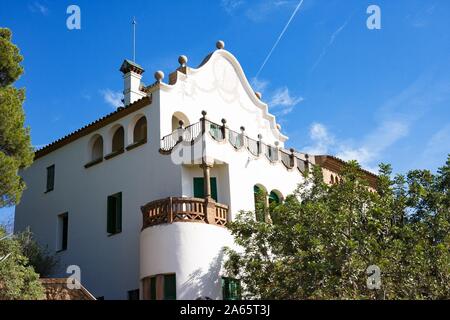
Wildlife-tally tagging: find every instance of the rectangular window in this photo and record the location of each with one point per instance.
(50, 178)
(231, 289)
(199, 188)
(63, 229)
(114, 219)
(160, 287)
(133, 294)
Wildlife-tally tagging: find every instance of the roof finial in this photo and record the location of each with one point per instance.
(134, 39)
(182, 60)
(159, 75)
(220, 44)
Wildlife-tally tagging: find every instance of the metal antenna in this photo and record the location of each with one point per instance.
(134, 39)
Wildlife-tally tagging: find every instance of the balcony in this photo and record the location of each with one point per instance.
(183, 209)
(239, 140)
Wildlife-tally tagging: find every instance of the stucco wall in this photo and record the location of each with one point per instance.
(193, 251)
(112, 265)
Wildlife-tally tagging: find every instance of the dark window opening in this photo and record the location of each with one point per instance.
(50, 178)
(114, 218)
(63, 231)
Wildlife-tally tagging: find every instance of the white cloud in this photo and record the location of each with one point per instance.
(280, 100)
(113, 98)
(283, 102)
(366, 151)
(259, 85)
(39, 8)
(436, 150)
(231, 5)
(321, 138)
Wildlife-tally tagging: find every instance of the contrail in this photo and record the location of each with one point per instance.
(279, 37)
(330, 43)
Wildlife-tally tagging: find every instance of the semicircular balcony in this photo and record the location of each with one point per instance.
(184, 209)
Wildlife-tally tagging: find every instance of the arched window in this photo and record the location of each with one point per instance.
(332, 179)
(97, 149)
(176, 118)
(118, 140)
(274, 197)
(260, 197)
(140, 130)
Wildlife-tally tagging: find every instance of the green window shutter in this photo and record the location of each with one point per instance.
(50, 178)
(170, 287)
(111, 214)
(199, 188)
(231, 289)
(153, 288)
(235, 289)
(118, 213)
(213, 182)
(225, 289)
(114, 218)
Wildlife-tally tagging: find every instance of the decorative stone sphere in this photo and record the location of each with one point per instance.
(259, 95)
(182, 60)
(220, 44)
(159, 75)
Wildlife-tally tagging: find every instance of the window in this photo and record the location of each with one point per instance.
(160, 287)
(176, 118)
(231, 289)
(114, 219)
(118, 140)
(63, 229)
(97, 149)
(274, 198)
(260, 198)
(199, 188)
(140, 130)
(133, 294)
(50, 178)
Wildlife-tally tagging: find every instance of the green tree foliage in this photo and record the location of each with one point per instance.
(323, 238)
(42, 261)
(17, 278)
(15, 146)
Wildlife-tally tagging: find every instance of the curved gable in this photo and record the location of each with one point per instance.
(221, 73)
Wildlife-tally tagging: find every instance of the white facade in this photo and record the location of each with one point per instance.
(111, 265)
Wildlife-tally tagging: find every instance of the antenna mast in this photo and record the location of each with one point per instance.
(134, 39)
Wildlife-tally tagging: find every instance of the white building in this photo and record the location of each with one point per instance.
(139, 199)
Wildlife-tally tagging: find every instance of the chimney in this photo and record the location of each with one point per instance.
(132, 75)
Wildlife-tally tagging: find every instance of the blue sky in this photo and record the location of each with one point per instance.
(336, 86)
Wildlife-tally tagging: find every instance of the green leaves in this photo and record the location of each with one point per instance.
(323, 238)
(15, 146)
(17, 278)
(10, 59)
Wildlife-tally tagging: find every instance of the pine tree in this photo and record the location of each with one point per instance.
(15, 146)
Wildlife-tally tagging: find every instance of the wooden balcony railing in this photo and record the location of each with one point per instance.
(182, 209)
